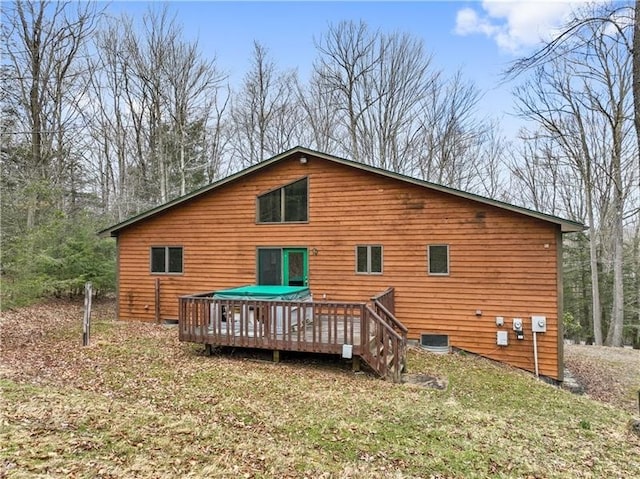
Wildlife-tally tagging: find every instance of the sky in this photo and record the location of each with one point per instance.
(479, 38)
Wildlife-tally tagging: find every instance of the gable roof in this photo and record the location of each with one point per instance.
(567, 226)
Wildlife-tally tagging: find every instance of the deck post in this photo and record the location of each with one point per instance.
(355, 364)
(276, 356)
(208, 350)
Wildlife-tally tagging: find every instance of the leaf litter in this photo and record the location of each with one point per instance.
(611, 375)
(138, 403)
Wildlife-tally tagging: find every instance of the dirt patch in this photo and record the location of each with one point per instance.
(424, 380)
(611, 375)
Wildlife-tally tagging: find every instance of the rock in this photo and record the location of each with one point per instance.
(571, 384)
(424, 380)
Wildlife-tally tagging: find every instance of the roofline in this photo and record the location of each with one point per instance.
(112, 230)
(566, 226)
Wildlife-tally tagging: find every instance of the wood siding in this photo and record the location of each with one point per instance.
(501, 262)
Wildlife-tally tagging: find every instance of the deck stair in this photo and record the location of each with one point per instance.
(385, 352)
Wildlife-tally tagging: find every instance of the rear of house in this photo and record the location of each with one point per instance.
(464, 268)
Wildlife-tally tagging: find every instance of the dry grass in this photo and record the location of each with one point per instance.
(137, 403)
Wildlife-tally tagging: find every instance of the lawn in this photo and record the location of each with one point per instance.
(137, 403)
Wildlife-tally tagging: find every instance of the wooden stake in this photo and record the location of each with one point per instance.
(86, 320)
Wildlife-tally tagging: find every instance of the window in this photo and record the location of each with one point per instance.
(369, 259)
(284, 205)
(270, 266)
(438, 259)
(166, 259)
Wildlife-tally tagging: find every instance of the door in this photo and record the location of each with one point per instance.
(295, 267)
(270, 266)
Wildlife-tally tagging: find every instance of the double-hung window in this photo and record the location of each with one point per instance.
(166, 259)
(369, 259)
(285, 205)
(438, 259)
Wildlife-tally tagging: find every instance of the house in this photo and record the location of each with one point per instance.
(465, 271)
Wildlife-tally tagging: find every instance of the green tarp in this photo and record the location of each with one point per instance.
(264, 292)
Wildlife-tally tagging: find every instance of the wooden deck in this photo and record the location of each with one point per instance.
(356, 329)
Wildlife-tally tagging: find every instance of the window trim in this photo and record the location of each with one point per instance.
(166, 260)
(448, 273)
(369, 246)
(282, 204)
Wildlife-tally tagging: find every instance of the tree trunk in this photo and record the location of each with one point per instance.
(183, 166)
(636, 74)
(636, 262)
(615, 333)
(595, 284)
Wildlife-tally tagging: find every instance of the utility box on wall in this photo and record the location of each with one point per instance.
(502, 338)
(539, 324)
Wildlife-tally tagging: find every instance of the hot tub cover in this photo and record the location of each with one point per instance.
(265, 292)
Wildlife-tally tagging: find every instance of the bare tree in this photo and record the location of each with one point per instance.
(400, 83)
(320, 116)
(218, 136)
(193, 84)
(537, 172)
(490, 164)
(582, 102)
(453, 134)
(42, 41)
(348, 56)
(265, 117)
(380, 85)
(635, 50)
(107, 117)
(619, 17)
(157, 114)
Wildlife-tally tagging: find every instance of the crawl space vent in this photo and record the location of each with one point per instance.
(436, 343)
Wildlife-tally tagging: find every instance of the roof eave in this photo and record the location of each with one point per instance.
(115, 229)
(566, 226)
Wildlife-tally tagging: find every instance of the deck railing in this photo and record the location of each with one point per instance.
(386, 349)
(372, 331)
(387, 298)
(384, 305)
(280, 325)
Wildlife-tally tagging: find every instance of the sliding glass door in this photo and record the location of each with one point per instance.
(283, 266)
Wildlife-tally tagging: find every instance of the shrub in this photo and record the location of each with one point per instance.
(57, 258)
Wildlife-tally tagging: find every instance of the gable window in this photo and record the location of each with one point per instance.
(284, 205)
(438, 259)
(369, 259)
(166, 259)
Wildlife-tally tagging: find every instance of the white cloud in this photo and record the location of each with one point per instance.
(514, 25)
